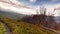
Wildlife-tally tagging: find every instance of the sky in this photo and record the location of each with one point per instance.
(16, 7)
(50, 5)
(20, 6)
(39, 2)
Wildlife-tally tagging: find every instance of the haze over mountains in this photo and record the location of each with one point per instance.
(14, 6)
(14, 9)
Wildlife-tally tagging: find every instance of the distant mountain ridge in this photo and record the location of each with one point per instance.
(11, 15)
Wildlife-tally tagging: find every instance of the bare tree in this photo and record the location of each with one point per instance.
(41, 10)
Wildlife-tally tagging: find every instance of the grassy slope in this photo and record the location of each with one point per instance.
(20, 27)
(2, 30)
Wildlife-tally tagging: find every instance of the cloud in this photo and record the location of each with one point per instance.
(50, 9)
(13, 8)
(16, 2)
(32, 1)
(54, 0)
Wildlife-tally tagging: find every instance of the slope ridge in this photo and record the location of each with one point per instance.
(20, 27)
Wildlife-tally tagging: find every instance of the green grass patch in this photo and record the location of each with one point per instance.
(2, 30)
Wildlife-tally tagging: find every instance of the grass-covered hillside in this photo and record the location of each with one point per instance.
(2, 29)
(19, 27)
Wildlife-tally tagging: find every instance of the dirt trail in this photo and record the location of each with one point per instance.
(57, 32)
(6, 28)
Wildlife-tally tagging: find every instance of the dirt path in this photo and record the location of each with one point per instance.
(48, 20)
(57, 32)
(6, 28)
